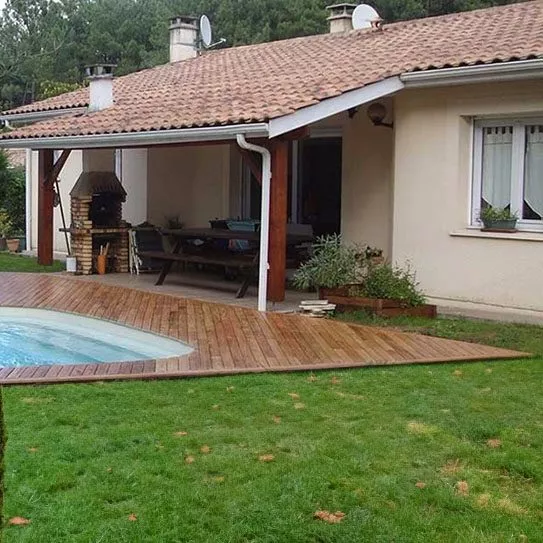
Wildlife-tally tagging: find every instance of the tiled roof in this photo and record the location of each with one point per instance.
(260, 82)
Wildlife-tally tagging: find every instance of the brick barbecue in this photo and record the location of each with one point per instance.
(96, 206)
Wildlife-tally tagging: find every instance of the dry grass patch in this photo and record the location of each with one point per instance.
(420, 428)
(452, 467)
(507, 505)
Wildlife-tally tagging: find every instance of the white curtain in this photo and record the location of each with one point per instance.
(533, 173)
(497, 155)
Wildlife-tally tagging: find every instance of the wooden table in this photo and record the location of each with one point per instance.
(246, 262)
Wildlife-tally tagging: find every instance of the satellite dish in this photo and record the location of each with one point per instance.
(365, 16)
(206, 34)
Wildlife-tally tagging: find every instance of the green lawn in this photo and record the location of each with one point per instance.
(81, 459)
(19, 263)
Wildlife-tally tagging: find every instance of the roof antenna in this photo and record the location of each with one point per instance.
(206, 34)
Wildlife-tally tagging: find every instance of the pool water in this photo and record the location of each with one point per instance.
(30, 337)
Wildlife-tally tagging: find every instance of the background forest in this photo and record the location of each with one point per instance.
(44, 44)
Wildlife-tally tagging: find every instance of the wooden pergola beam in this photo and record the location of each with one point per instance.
(57, 167)
(251, 161)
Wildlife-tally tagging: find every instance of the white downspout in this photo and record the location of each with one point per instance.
(28, 198)
(264, 218)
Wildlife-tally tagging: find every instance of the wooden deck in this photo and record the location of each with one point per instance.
(226, 339)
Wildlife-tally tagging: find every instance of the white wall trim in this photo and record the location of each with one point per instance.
(515, 70)
(137, 139)
(521, 235)
(476, 174)
(34, 116)
(333, 106)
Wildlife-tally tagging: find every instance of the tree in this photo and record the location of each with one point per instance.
(45, 44)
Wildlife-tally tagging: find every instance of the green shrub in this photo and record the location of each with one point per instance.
(5, 224)
(333, 264)
(12, 193)
(392, 283)
(15, 203)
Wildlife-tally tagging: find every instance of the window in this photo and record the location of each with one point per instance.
(508, 169)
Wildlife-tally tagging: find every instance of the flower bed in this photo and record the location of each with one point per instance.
(381, 307)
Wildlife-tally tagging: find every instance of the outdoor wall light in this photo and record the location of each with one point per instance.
(377, 113)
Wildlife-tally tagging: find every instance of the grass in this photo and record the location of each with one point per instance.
(20, 263)
(169, 461)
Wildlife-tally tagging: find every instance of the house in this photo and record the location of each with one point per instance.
(394, 135)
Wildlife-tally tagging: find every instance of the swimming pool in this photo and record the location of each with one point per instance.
(31, 337)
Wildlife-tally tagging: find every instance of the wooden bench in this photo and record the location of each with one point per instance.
(228, 260)
(207, 254)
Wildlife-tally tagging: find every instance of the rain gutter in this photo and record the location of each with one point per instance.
(35, 116)
(484, 73)
(137, 139)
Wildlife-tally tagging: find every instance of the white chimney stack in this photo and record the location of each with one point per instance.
(341, 17)
(100, 78)
(183, 38)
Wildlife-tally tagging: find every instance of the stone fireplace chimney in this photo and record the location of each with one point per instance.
(183, 38)
(100, 78)
(341, 17)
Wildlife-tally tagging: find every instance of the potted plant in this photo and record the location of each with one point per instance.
(21, 237)
(498, 219)
(330, 269)
(386, 291)
(353, 278)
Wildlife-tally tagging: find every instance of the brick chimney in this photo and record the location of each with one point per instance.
(341, 17)
(183, 38)
(100, 78)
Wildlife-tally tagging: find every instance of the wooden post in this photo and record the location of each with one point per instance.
(278, 222)
(45, 207)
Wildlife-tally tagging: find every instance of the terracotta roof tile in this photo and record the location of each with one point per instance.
(259, 82)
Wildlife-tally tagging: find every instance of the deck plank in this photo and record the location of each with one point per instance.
(226, 339)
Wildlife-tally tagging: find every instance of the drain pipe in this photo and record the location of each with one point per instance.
(28, 199)
(264, 218)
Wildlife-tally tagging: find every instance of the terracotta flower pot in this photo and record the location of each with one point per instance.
(13, 245)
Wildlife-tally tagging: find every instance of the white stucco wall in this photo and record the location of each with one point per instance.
(191, 183)
(98, 160)
(366, 205)
(134, 180)
(432, 187)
